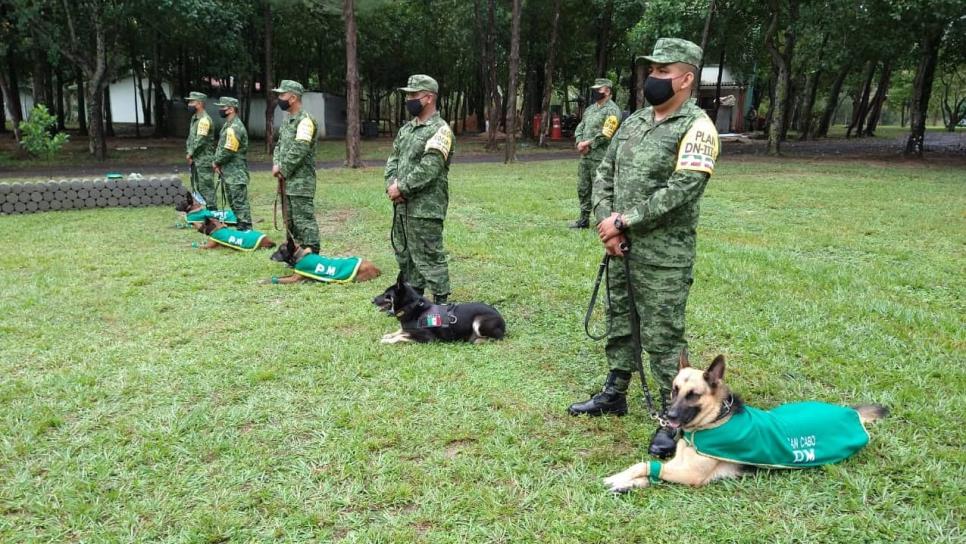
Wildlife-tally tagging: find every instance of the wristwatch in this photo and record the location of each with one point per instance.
(618, 224)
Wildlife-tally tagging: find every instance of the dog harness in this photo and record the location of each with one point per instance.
(328, 269)
(199, 216)
(246, 240)
(798, 435)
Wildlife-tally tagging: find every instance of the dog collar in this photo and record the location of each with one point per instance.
(654, 472)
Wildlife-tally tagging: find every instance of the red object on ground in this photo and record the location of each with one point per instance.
(537, 123)
(555, 130)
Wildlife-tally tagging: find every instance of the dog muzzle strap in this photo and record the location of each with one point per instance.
(654, 472)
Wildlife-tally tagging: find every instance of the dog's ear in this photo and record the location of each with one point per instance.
(683, 360)
(716, 371)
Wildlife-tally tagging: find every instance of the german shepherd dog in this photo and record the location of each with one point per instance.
(468, 322)
(211, 225)
(187, 204)
(700, 401)
(291, 253)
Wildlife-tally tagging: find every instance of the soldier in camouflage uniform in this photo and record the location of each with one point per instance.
(201, 148)
(294, 165)
(416, 182)
(647, 192)
(231, 161)
(593, 134)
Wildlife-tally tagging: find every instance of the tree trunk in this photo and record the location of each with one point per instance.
(82, 107)
(3, 113)
(548, 73)
(59, 101)
(860, 107)
(511, 89)
(269, 82)
(11, 93)
(40, 79)
(704, 40)
(875, 108)
(922, 87)
(717, 85)
(781, 60)
(352, 132)
(833, 101)
(493, 102)
(108, 113)
(603, 38)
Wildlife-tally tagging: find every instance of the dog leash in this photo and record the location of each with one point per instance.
(222, 191)
(279, 194)
(392, 229)
(194, 178)
(633, 317)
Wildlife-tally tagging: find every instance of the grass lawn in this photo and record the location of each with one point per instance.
(153, 392)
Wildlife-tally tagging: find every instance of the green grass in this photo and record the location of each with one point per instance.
(152, 392)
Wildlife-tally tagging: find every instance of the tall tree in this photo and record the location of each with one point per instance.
(268, 81)
(493, 91)
(781, 56)
(511, 88)
(548, 72)
(352, 132)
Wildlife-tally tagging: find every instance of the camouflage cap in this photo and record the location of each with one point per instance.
(671, 50)
(289, 86)
(195, 95)
(601, 82)
(420, 82)
(227, 101)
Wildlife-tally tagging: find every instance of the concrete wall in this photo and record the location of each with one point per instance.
(124, 100)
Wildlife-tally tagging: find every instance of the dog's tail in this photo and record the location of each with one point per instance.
(870, 413)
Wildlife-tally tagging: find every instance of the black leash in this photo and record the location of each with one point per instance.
(194, 179)
(633, 317)
(222, 191)
(392, 229)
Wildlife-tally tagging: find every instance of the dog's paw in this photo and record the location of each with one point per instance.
(618, 483)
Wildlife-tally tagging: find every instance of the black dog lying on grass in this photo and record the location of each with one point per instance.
(422, 321)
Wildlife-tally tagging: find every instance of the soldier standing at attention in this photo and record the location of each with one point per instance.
(231, 161)
(294, 165)
(201, 149)
(416, 183)
(593, 134)
(646, 194)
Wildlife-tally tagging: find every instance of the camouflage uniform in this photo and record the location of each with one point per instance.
(295, 157)
(200, 146)
(419, 164)
(231, 156)
(599, 124)
(655, 173)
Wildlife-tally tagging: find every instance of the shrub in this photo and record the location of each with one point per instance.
(36, 135)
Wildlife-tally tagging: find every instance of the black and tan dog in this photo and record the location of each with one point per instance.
(195, 212)
(723, 438)
(422, 321)
(221, 235)
(308, 266)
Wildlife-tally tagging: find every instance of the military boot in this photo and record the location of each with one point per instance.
(440, 299)
(611, 400)
(582, 223)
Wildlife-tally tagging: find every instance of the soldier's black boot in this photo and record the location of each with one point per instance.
(663, 442)
(611, 400)
(582, 223)
(244, 226)
(440, 299)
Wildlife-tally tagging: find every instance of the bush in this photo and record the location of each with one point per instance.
(36, 135)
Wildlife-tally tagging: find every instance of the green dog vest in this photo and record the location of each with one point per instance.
(798, 435)
(328, 269)
(199, 216)
(247, 240)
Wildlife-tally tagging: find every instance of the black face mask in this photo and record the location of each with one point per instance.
(284, 105)
(190, 108)
(414, 106)
(223, 113)
(596, 95)
(658, 91)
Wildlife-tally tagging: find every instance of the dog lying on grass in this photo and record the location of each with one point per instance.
(723, 438)
(309, 266)
(422, 321)
(196, 213)
(221, 235)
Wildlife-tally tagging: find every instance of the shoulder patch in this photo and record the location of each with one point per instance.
(442, 141)
(610, 126)
(204, 125)
(305, 131)
(698, 149)
(231, 141)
